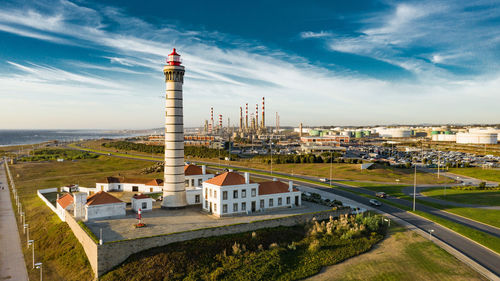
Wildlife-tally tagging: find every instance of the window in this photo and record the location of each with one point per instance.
(210, 193)
(144, 205)
(192, 182)
(244, 193)
(135, 188)
(288, 200)
(271, 202)
(235, 207)
(235, 194)
(199, 182)
(254, 192)
(197, 199)
(224, 208)
(224, 195)
(215, 207)
(119, 187)
(280, 201)
(243, 206)
(206, 204)
(186, 182)
(215, 194)
(262, 204)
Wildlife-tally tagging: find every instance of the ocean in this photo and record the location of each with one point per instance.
(22, 137)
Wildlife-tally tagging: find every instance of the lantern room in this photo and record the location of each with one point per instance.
(174, 58)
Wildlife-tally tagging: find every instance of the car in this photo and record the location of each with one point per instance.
(323, 180)
(381, 194)
(375, 202)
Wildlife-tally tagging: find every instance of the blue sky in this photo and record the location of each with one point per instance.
(86, 64)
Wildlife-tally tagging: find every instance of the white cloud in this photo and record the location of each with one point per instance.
(227, 78)
(311, 34)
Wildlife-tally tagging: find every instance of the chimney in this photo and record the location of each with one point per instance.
(247, 177)
(290, 186)
(204, 169)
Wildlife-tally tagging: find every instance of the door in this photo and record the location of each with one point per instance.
(210, 209)
(135, 188)
(253, 206)
(296, 200)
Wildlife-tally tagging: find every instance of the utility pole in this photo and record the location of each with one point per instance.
(439, 161)
(414, 187)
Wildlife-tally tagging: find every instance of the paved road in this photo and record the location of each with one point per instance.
(12, 266)
(471, 249)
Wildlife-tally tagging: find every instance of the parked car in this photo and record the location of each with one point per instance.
(323, 180)
(381, 194)
(375, 202)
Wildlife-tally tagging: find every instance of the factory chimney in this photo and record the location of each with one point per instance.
(256, 117)
(263, 115)
(241, 119)
(246, 117)
(174, 191)
(300, 130)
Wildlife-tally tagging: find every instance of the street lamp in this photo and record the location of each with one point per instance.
(27, 229)
(32, 244)
(271, 146)
(331, 164)
(430, 233)
(21, 218)
(414, 187)
(38, 265)
(388, 222)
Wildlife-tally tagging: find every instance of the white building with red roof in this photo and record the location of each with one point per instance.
(194, 176)
(231, 193)
(142, 202)
(64, 203)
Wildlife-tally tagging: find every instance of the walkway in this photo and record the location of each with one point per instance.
(12, 265)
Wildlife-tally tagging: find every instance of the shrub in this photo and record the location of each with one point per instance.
(314, 246)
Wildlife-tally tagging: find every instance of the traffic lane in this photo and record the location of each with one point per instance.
(476, 252)
(434, 211)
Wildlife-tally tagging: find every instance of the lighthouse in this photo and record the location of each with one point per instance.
(174, 190)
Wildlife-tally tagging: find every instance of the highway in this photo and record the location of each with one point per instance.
(480, 254)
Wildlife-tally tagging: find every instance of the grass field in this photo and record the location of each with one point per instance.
(340, 171)
(404, 255)
(483, 174)
(479, 197)
(56, 246)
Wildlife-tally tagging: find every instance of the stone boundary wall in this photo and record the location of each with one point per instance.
(40, 193)
(112, 254)
(89, 246)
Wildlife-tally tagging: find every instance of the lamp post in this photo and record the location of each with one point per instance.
(39, 266)
(271, 146)
(32, 244)
(388, 222)
(26, 227)
(331, 164)
(430, 233)
(23, 220)
(414, 187)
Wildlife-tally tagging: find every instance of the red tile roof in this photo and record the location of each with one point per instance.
(102, 197)
(273, 187)
(65, 200)
(155, 182)
(228, 178)
(192, 170)
(141, 196)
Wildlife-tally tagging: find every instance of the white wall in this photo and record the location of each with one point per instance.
(191, 195)
(104, 210)
(137, 204)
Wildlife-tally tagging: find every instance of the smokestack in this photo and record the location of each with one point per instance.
(246, 116)
(211, 119)
(256, 116)
(277, 122)
(300, 130)
(241, 119)
(263, 116)
(220, 122)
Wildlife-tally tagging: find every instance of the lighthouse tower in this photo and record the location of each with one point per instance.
(174, 191)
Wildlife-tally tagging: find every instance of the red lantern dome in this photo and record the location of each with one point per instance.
(174, 58)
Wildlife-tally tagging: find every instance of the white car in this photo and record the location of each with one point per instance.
(323, 180)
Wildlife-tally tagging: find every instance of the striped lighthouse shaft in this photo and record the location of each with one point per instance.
(174, 191)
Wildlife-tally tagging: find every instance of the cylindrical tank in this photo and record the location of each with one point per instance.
(314, 133)
(358, 134)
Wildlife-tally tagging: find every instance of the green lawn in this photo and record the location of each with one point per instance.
(479, 173)
(403, 255)
(56, 246)
(479, 197)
